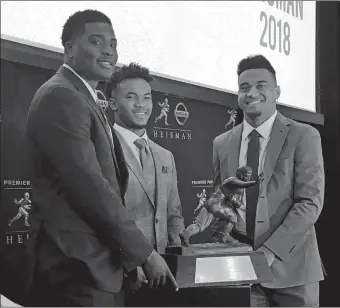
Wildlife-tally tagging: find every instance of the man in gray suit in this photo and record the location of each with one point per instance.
(278, 215)
(87, 238)
(152, 195)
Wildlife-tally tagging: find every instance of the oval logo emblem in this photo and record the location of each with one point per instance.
(181, 113)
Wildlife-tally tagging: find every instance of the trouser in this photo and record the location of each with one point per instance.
(300, 296)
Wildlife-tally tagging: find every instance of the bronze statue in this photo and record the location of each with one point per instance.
(219, 211)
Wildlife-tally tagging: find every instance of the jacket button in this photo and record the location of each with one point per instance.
(156, 220)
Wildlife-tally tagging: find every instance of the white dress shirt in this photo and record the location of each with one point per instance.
(87, 85)
(264, 130)
(130, 137)
(94, 95)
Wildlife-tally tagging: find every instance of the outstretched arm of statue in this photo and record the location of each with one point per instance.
(237, 183)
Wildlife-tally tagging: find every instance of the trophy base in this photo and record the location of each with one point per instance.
(208, 249)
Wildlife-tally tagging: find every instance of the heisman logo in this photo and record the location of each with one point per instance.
(232, 119)
(181, 113)
(164, 111)
(24, 205)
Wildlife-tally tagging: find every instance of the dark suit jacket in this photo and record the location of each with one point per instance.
(86, 234)
(290, 200)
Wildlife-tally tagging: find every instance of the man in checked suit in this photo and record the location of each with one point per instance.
(152, 195)
(278, 215)
(87, 238)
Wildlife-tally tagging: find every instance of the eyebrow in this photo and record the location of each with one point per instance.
(247, 83)
(101, 36)
(134, 93)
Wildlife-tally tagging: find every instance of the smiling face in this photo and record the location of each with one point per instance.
(132, 103)
(93, 53)
(257, 95)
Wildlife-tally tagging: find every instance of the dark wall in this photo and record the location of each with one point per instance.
(328, 40)
(19, 83)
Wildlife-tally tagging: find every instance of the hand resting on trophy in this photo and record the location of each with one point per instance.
(219, 211)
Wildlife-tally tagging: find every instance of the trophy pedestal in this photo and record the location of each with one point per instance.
(208, 249)
(215, 275)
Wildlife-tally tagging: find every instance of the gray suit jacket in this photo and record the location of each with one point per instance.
(290, 199)
(79, 179)
(168, 220)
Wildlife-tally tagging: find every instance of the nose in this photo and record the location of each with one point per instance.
(140, 102)
(108, 49)
(252, 92)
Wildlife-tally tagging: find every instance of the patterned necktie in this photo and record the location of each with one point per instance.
(146, 160)
(252, 193)
(102, 109)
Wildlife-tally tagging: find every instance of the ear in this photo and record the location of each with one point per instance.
(113, 103)
(69, 49)
(277, 92)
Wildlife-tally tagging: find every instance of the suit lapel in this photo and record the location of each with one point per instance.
(278, 136)
(157, 157)
(79, 85)
(233, 148)
(134, 165)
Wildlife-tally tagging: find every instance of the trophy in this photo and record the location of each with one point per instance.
(224, 263)
(219, 211)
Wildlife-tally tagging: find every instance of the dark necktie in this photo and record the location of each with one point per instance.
(252, 193)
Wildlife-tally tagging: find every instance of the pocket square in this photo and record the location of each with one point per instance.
(166, 169)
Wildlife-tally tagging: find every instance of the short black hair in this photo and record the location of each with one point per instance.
(133, 70)
(254, 62)
(75, 24)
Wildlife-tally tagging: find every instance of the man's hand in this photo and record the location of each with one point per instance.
(156, 271)
(270, 256)
(135, 285)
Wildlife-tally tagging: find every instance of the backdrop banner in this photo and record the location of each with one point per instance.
(184, 126)
(187, 128)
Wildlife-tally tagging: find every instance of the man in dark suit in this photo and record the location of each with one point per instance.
(87, 238)
(278, 215)
(152, 195)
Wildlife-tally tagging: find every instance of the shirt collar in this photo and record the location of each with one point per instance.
(87, 85)
(264, 129)
(129, 136)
